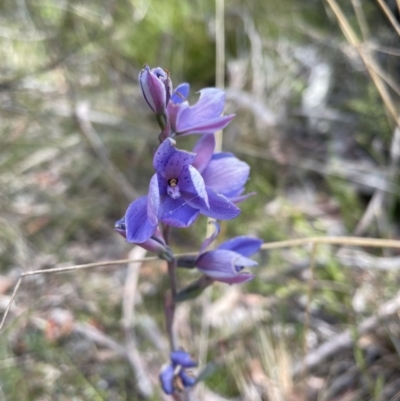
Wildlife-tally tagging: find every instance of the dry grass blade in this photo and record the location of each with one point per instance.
(355, 241)
(62, 270)
(390, 15)
(367, 58)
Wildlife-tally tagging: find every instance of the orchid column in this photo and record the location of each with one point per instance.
(186, 184)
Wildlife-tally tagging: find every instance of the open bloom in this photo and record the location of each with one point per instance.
(205, 117)
(156, 87)
(174, 375)
(226, 262)
(177, 195)
(222, 171)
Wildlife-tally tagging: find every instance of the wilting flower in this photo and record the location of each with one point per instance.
(226, 262)
(205, 117)
(221, 171)
(155, 243)
(177, 195)
(156, 87)
(174, 377)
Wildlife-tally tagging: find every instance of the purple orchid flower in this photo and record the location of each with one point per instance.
(155, 243)
(221, 171)
(174, 377)
(177, 195)
(156, 87)
(226, 262)
(205, 117)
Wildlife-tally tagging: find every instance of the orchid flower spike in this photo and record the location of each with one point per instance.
(156, 86)
(174, 376)
(205, 117)
(226, 262)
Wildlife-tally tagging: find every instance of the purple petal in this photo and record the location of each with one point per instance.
(187, 381)
(138, 227)
(209, 106)
(241, 198)
(153, 201)
(163, 153)
(238, 279)
(192, 188)
(204, 150)
(163, 76)
(220, 264)
(221, 208)
(246, 246)
(222, 261)
(205, 116)
(226, 174)
(182, 358)
(120, 227)
(181, 93)
(203, 127)
(177, 213)
(153, 245)
(211, 238)
(154, 90)
(172, 113)
(176, 162)
(167, 379)
(162, 184)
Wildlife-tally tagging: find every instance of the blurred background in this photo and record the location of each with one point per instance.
(315, 88)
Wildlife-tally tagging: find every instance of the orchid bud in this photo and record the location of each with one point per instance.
(156, 87)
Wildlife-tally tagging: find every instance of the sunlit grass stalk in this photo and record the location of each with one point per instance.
(366, 57)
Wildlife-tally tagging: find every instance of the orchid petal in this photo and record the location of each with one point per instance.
(187, 381)
(226, 174)
(177, 213)
(223, 260)
(221, 208)
(163, 153)
(239, 279)
(204, 149)
(241, 198)
(203, 126)
(138, 227)
(167, 379)
(120, 227)
(177, 160)
(180, 93)
(173, 110)
(210, 105)
(205, 116)
(182, 358)
(153, 201)
(162, 184)
(245, 246)
(192, 188)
